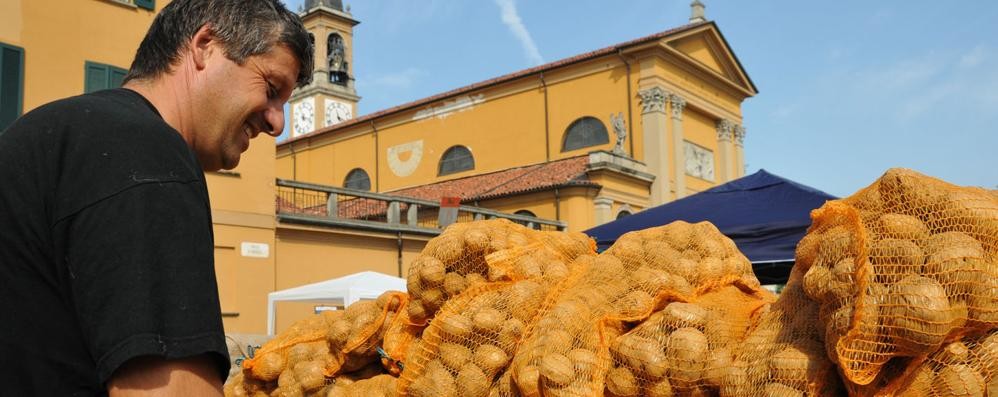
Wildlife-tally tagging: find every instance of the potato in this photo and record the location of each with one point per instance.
(686, 350)
(682, 315)
(893, 259)
(919, 315)
(488, 321)
(510, 333)
(817, 282)
(555, 340)
(453, 355)
(634, 304)
(661, 388)
(528, 380)
(921, 383)
(309, 375)
(958, 380)
(902, 227)
(454, 284)
(793, 366)
(475, 279)
(472, 382)
(584, 362)
(431, 271)
(490, 358)
(433, 299)
(455, 326)
(621, 382)
(952, 353)
(780, 390)
(268, 366)
(964, 245)
(556, 369)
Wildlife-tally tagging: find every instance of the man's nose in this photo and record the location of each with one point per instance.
(273, 118)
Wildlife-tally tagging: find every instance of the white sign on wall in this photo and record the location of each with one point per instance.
(255, 250)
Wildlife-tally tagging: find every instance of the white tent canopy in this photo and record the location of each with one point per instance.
(344, 291)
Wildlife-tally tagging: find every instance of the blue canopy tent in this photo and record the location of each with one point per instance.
(764, 214)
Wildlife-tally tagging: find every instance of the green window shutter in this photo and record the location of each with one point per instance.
(99, 76)
(147, 4)
(117, 76)
(11, 84)
(96, 77)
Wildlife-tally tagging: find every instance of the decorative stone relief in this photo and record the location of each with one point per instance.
(739, 135)
(404, 158)
(724, 129)
(653, 99)
(699, 161)
(678, 104)
(619, 129)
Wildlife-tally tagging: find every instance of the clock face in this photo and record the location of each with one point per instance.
(336, 112)
(304, 121)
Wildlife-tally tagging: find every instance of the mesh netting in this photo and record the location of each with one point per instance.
(382, 385)
(899, 269)
(302, 359)
(965, 367)
(456, 260)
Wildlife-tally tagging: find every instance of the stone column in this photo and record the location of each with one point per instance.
(653, 125)
(677, 104)
(725, 160)
(603, 206)
(739, 151)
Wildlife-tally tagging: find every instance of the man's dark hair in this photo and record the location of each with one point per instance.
(244, 27)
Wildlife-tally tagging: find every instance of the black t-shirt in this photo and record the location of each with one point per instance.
(106, 246)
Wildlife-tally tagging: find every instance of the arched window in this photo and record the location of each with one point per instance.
(357, 179)
(456, 159)
(585, 132)
(336, 59)
(623, 214)
(534, 225)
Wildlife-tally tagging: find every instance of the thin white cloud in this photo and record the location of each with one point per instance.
(512, 21)
(973, 58)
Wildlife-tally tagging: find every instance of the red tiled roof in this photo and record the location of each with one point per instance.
(566, 172)
(536, 177)
(497, 80)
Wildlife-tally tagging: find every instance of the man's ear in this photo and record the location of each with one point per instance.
(202, 46)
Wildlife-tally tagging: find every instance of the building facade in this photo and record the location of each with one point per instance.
(658, 118)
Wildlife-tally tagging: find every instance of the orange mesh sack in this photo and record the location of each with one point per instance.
(567, 350)
(378, 386)
(310, 356)
(471, 340)
(686, 348)
(967, 367)
(900, 268)
(783, 353)
(455, 260)
(400, 339)
(303, 358)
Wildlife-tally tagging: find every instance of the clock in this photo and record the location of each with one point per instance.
(304, 121)
(337, 112)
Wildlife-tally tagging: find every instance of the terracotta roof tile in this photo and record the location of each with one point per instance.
(497, 80)
(570, 171)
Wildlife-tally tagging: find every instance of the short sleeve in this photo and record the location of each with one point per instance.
(142, 275)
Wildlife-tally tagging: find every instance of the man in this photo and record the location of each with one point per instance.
(107, 283)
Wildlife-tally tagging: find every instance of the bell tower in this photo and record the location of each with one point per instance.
(331, 97)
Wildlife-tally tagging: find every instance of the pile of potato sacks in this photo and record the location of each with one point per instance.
(893, 293)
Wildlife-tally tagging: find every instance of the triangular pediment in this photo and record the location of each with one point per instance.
(706, 47)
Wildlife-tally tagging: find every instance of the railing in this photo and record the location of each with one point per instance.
(299, 202)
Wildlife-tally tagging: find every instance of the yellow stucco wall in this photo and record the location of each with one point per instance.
(243, 281)
(59, 37)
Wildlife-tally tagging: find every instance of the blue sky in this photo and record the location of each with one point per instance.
(848, 88)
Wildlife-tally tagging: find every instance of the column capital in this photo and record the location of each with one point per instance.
(678, 104)
(739, 132)
(601, 201)
(724, 129)
(653, 99)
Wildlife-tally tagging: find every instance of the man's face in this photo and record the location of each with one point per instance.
(238, 102)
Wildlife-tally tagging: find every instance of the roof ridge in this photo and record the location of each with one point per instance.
(499, 79)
